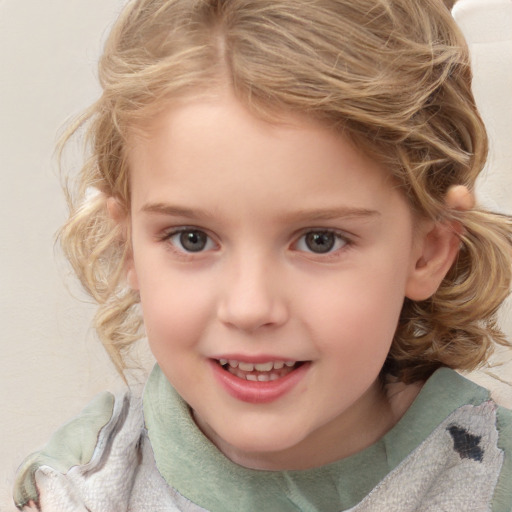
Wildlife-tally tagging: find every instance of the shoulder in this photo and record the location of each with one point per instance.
(460, 457)
(85, 459)
(474, 443)
(470, 455)
(503, 495)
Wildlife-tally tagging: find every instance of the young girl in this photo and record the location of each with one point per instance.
(280, 193)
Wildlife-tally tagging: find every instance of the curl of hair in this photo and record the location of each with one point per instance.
(96, 247)
(392, 75)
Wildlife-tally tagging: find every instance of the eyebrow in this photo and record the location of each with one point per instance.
(176, 211)
(342, 212)
(316, 214)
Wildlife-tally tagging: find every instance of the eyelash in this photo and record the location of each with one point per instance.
(302, 239)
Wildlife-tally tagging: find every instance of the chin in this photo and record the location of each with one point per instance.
(259, 448)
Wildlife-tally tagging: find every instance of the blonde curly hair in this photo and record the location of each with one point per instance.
(393, 75)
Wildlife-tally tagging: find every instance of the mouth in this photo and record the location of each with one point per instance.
(259, 382)
(259, 372)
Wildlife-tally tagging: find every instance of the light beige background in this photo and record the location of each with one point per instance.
(51, 364)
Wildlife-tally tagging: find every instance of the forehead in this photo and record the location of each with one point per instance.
(204, 148)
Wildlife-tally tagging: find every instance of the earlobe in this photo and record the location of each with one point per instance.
(131, 277)
(437, 251)
(115, 210)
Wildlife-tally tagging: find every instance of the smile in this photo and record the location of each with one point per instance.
(259, 372)
(260, 382)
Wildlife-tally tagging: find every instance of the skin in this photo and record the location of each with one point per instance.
(257, 290)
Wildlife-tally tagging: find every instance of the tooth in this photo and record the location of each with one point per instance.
(263, 377)
(251, 377)
(233, 363)
(290, 363)
(273, 376)
(278, 365)
(264, 367)
(223, 362)
(246, 367)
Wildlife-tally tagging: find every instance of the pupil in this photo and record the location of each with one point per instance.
(320, 242)
(193, 241)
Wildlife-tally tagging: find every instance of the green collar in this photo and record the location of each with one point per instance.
(192, 465)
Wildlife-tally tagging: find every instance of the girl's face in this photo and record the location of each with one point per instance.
(272, 262)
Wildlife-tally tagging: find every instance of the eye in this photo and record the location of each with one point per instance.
(190, 240)
(321, 242)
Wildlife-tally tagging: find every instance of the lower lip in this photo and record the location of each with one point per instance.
(258, 392)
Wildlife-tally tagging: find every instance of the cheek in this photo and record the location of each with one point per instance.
(356, 315)
(175, 310)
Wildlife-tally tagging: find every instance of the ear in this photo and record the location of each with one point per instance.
(120, 216)
(436, 250)
(115, 210)
(131, 275)
(438, 246)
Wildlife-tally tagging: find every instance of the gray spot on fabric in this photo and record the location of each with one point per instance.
(466, 444)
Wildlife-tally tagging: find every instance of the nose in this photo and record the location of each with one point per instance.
(253, 296)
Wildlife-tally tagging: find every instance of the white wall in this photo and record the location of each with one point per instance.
(51, 363)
